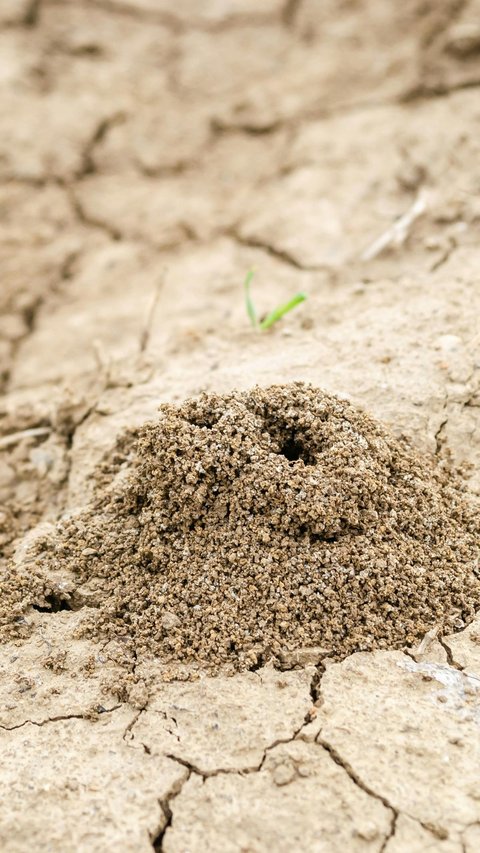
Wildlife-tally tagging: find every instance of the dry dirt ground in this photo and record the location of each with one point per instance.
(150, 153)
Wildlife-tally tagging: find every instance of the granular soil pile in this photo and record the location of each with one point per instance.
(240, 527)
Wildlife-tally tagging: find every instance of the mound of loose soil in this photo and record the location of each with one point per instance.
(238, 528)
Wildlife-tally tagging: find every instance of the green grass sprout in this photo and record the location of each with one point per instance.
(274, 315)
(248, 299)
(279, 312)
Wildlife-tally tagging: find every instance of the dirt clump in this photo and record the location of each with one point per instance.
(238, 528)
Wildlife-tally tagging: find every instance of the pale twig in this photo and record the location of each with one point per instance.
(147, 328)
(15, 437)
(427, 641)
(397, 234)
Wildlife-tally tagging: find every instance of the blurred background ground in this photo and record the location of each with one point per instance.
(150, 154)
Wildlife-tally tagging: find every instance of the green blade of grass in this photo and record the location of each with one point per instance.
(248, 299)
(281, 310)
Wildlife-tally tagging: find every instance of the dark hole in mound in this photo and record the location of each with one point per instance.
(53, 604)
(295, 451)
(203, 420)
(303, 530)
(329, 538)
(258, 665)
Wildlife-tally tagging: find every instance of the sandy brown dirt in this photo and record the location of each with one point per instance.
(150, 154)
(243, 529)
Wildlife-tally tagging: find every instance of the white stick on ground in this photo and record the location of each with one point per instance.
(15, 437)
(399, 231)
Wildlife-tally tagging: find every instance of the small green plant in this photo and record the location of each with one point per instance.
(273, 316)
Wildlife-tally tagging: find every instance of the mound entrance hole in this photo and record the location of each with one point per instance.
(295, 450)
(53, 604)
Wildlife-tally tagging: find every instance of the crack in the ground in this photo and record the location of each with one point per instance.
(410, 653)
(297, 119)
(193, 769)
(279, 254)
(29, 317)
(391, 832)
(32, 14)
(466, 847)
(243, 771)
(439, 436)
(222, 128)
(176, 25)
(240, 771)
(420, 92)
(445, 17)
(315, 685)
(355, 778)
(132, 723)
(448, 651)
(290, 12)
(100, 133)
(87, 219)
(165, 804)
(362, 105)
(86, 715)
(68, 265)
(28, 20)
(70, 435)
(449, 13)
(434, 830)
(341, 762)
(448, 403)
(117, 7)
(177, 169)
(445, 255)
(8, 178)
(423, 92)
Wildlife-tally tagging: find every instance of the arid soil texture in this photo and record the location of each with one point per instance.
(150, 154)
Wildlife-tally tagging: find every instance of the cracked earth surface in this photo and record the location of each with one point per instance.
(150, 154)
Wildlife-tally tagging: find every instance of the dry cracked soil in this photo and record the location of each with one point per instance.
(151, 153)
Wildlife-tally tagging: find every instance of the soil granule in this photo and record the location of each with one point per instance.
(238, 528)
